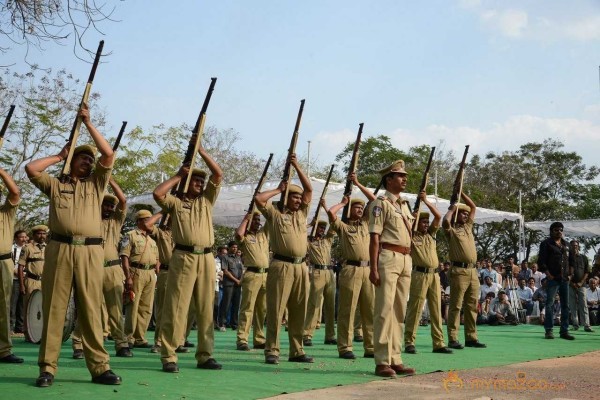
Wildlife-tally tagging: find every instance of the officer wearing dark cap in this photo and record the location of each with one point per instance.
(74, 255)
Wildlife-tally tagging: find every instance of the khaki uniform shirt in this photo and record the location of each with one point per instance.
(354, 239)
(164, 242)
(75, 208)
(319, 250)
(390, 218)
(255, 247)
(287, 230)
(112, 234)
(8, 214)
(32, 258)
(461, 243)
(191, 220)
(139, 248)
(424, 250)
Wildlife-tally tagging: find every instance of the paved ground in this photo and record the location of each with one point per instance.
(559, 378)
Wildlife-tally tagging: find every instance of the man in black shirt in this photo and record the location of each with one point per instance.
(554, 262)
(580, 268)
(232, 268)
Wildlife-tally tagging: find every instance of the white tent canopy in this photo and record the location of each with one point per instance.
(233, 201)
(585, 228)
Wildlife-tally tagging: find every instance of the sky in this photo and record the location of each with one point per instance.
(492, 74)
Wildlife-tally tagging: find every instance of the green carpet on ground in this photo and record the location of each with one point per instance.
(245, 376)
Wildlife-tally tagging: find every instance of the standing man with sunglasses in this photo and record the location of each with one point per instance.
(554, 261)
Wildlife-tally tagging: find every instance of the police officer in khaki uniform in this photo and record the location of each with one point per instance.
(139, 255)
(425, 282)
(390, 224)
(192, 272)
(287, 281)
(322, 285)
(355, 289)
(8, 212)
(31, 262)
(164, 242)
(464, 280)
(254, 243)
(74, 255)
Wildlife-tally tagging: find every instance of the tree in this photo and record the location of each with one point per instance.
(35, 22)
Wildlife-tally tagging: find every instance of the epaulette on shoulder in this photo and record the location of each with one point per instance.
(381, 197)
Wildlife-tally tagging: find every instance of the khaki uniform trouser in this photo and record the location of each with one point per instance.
(390, 306)
(424, 286)
(253, 308)
(191, 318)
(356, 290)
(30, 286)
(464, 287)
(287, 285)
(358, 323)
(191, 277)
(6, 273)
(81, 268)
(159, 300)
(322, 291)
(139, 311)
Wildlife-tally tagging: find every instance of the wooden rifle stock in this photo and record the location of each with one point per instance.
(119, 136)
(423, 187)
(313, 231)
(260, 183)
(287, 170)
(5, 124)
(353, 164)
(458, 181)
(194, 144)
(74, 135)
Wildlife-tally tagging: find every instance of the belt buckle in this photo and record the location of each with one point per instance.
(198, 250)
(298, 260)
(364, 263)
(261, 270)
(78, 241)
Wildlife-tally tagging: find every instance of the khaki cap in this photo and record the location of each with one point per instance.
(322, 222)
(199, 172)
(423, 215)
(85, 148)
(38, 228)
(463, 207)
(357, 201)
(396, 166)
(143, 214)
(295, 189)
(109, 198)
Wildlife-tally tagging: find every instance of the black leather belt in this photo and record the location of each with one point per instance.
(424, 270)
(6, 256)
(77, 240)
(293, 260)
(112, 263)
(460, 264)
(164, 267)
(357, 263)
(141, 266)
(34, 259)
(257, 270)
(33, 276)
(193, 249)
(319, 266)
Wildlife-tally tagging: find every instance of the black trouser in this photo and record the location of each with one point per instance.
(17, 310)
(231, 298)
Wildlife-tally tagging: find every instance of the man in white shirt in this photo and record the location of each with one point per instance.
(488, 287)
(525, 295)
(537, 275)
(592, 295)
(17, 311)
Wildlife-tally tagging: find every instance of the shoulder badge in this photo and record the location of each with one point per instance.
(124, 241)
(377, 211)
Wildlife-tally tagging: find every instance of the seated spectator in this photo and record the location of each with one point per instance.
(445, 303)
(525, 272)
(531, 284)
(525, 296)
(484, 309)
(488, 287)
(502, 312)
(489, 271)
(537, 275)
(592, 294)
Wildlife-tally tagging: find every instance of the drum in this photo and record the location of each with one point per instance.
(34, 320)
